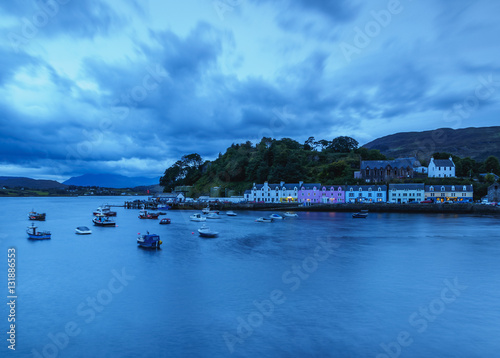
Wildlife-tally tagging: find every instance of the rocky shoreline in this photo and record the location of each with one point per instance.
(467, 208)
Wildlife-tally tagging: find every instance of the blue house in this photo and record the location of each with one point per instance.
(366, 193)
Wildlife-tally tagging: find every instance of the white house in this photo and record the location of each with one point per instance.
(406, 193)
(273, 193)
(441, 168)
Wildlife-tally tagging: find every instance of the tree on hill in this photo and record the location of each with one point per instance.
(492, 165)
(343, 144)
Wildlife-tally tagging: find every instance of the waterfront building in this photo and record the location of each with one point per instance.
(406, 193)
(274, 193)
(455, 193)
(441, 168)
(373, 171)
(331, 194)
(494, 193)
(310, 193)
(365, 193)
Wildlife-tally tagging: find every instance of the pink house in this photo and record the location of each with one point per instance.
(332, 194)
(316, 193)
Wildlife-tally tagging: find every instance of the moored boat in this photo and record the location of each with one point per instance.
(197, 217)
(33, 215)
(289, 214)
(276, 216)
(143, 214)
(104, 210)
(37, 235)
(363, 214)
(149, 241)
(165, 221)
(83, 230)
(204, 231)
(207, 210)
(213, 216)
(101, 220)
(231, 213)
(264, 220)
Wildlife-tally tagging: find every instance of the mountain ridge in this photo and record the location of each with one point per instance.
(475, 142)
(110, 181)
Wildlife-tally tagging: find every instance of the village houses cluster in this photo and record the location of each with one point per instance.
(371, 172)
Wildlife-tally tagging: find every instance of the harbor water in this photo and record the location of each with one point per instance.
(320, 285)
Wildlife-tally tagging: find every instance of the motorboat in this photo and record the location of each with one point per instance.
(231, 213)
(213, 216)
(104, 210)
(83, 230)
(276, 216)
(205, 231)
(289, 214)
(207, 210)
(363, 214)
(37, 235)
(143, 214)
(197, 217)
(163, 207)
(264, 220)
(33, 215)
(165, 221)
(149, 241)
(101, 220)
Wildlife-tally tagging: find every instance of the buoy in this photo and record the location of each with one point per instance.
(192, 233)
(161, 242)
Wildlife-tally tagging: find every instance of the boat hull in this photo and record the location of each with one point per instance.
(39, 237)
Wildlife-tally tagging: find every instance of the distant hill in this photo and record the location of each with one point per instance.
(477, 143)
(111, 181)
(13, 182)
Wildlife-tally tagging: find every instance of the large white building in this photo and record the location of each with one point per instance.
(441, 168)
(273, 193)
(406, 193)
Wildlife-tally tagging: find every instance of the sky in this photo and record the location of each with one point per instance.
(130, 86)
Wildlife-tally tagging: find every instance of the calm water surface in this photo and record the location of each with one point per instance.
(326, 285)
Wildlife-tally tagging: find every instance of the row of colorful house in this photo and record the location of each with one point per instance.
(395, 193)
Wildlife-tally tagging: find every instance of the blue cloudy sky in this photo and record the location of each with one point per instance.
(129, 86)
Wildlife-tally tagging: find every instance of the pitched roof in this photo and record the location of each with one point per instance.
(458, 187)
(310, 186)
(416, 186)
(365, 187)
(443, 163)
(396, 163)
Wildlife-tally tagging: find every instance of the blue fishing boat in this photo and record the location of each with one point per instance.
(149, 241)
(37, 235)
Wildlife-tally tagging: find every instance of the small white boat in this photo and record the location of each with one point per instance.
(276, 216)
(213, 216)
(205, 231)
(83, 230)
(208, 211)
(264, 220)
(197, 217)
(289, 214)
(231, 213)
